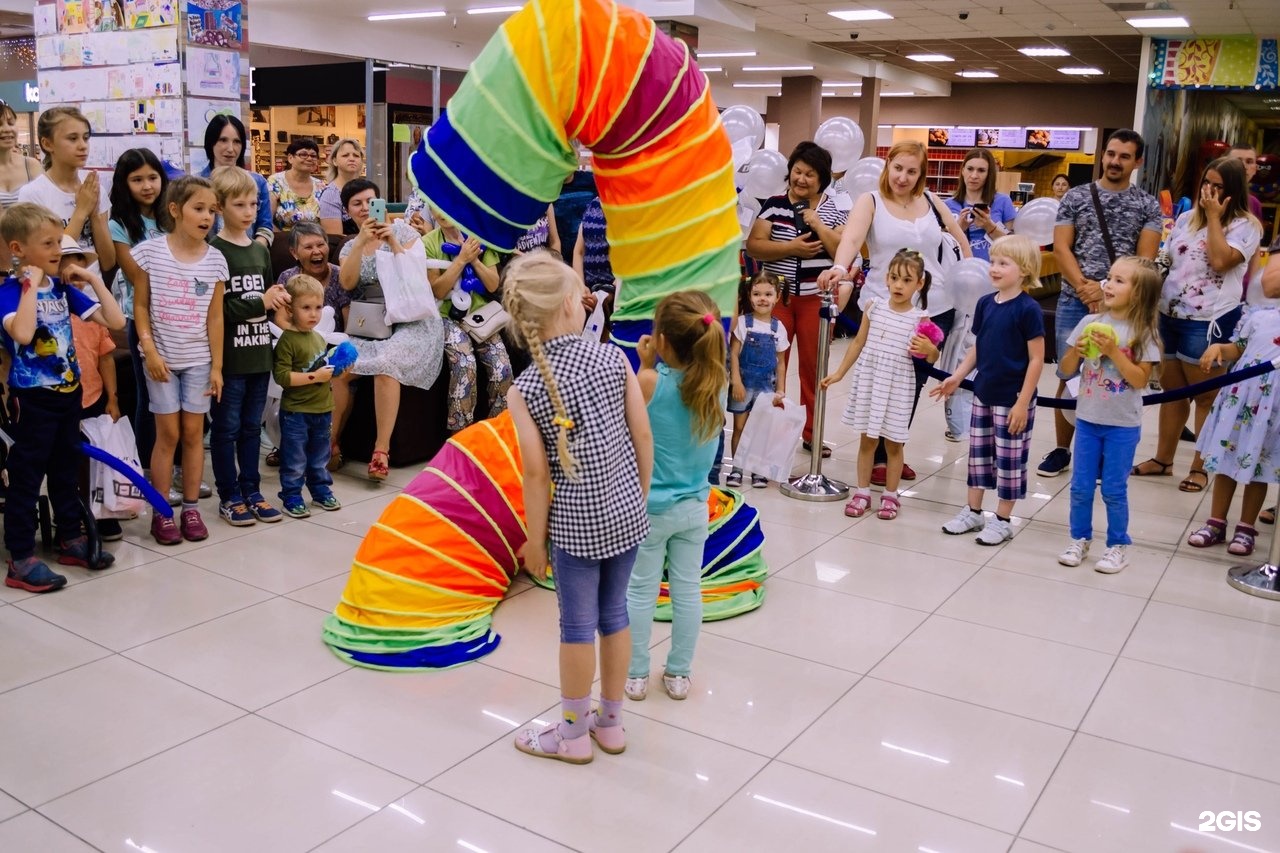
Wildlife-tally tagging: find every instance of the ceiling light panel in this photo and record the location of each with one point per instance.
(1043, 51)
(930, 57)
(1178, 23)
(405, 16)
(861, 15)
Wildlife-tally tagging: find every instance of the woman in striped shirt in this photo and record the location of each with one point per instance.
(796, 236)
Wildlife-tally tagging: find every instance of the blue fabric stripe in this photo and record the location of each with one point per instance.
(428, 657)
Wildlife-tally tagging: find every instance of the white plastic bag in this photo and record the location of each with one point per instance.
(403, 276)
(111, 494)
(594, 330)
(771, 438)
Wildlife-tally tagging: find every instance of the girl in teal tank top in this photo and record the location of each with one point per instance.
(686, 398)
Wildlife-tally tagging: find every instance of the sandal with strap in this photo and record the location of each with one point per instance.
(857, 506)
(335, 458)
(1166, 469)
(888, 508)
(569, 750)
(1268, 515)
(379, 465)
(1242, 541)
(1190, 485)
(1214, 532)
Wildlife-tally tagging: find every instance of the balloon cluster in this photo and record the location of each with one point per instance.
(1036, 220)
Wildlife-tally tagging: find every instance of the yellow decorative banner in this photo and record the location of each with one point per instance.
(1234, 62)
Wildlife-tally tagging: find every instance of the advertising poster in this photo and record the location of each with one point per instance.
(215, 23)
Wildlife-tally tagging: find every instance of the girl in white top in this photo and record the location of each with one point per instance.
(76, 197)
(177, 307)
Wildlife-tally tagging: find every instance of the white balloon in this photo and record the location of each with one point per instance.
(864, 177)
(743, 123)
(748, 210)
(1036, 220)
(967, 281)
(843, 140)
(742, 151)
(766, 174)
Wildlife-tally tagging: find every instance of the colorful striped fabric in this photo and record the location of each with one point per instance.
(431, 570)
(602, 74)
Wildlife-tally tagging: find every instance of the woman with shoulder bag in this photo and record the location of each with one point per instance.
(411, 354)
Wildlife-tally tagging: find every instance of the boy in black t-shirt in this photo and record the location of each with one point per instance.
(235, 435)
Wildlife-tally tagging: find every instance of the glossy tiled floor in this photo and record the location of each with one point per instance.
(900, 690)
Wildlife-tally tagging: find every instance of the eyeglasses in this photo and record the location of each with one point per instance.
(307, 155)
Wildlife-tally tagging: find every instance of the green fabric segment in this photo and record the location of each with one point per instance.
(388, 641)
(715, 272)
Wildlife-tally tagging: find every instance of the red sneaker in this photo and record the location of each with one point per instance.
(165, 530)
(193, 529)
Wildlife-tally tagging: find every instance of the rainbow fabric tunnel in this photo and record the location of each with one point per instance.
(430, 571)
(606, 76)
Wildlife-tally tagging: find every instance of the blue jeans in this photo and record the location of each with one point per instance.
(676, 540)
(1069, 313)
(144, 423)
(304, 452)
(235, 435)
(1106, 453)
(592, 594)
(958, 408)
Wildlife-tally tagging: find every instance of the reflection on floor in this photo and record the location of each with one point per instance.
(900, 690)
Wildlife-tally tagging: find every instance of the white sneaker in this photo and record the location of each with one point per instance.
(966, 521)
(1074, 554)
(636, 688)
(1116, 559)
(677, 686)
(995, 532)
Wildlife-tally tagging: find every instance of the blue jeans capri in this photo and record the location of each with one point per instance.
(592, 593)
(1066, 317)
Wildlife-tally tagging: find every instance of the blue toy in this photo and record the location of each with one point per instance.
(338, 357)
(470, 282)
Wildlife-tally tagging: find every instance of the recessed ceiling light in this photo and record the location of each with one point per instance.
(1158, 23)
(710, 69)
(831, 85)
(492, 10)
(897, 94)
(861, 15)
(828, 94)
(404, 16)
(1042, 51)
(929, 57)
(725, 54)
(1081, 72)
(777, 85)
(973, 74)
(777, 68)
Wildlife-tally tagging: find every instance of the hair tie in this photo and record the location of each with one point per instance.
(708, 318)
(562, 422)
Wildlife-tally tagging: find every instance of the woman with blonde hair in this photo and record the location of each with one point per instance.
(346, 163)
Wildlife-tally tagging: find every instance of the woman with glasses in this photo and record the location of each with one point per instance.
(16, 169)
(295, 191)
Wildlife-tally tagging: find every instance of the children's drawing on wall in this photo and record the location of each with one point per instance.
(139, 14)
(216, 23)
(213, 72)
(71, 17)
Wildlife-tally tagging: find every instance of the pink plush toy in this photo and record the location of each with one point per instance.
(930, 330)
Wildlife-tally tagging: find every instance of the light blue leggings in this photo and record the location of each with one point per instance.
(676, 538)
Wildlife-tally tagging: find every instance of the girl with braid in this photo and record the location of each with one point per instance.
(583, 431)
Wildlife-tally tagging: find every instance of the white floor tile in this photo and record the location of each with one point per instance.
(33, 832)
(9, 806)
(786, 808)
(249, 785)
(1022, 675)
(1207, 643)
(128, 556)
(959, 759)
(323, 596)
(34, 649)
(281, 558)
(1036, 553)
(250, 658)
(81, 725)
(1202, 584)
(414, 724)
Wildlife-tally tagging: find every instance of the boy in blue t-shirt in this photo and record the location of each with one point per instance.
(44, 392)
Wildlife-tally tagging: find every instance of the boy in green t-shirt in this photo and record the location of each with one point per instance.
(235, 434)
(306, 409)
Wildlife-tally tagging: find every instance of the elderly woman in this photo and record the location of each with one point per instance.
(796, 235)
(412, 355)
(295, 191)
(459, 348)
(224, 145)
(346, 163)
(16, 169)
(982, 213)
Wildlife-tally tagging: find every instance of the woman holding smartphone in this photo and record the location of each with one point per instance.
(982, 213)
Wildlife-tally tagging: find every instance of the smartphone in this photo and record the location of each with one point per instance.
(983, 207)
(378, 209)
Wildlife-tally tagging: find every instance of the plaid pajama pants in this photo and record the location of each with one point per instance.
(998, 460)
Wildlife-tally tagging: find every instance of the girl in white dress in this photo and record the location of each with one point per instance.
(884, 381)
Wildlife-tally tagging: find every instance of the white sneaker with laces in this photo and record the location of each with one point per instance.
(1074, 554)
(995, 532)
(966, 521)
(1116, 559)
(677, 686)
(637, 688)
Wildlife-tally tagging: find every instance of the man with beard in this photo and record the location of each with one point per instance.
(1085, 249)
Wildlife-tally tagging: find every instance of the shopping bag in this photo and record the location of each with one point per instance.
(771, 438)
(403, 276)
(111, 494)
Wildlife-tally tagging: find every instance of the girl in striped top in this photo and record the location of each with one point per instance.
(884, 380)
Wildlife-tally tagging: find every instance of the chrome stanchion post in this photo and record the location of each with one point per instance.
(814, 486)
(1260, 580)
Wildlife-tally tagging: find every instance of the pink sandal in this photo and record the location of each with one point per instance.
(889, 507)
(571, 751)
(379, 465)
(1213, 533)
(1242, 541)
(857, 506)
(610, 739)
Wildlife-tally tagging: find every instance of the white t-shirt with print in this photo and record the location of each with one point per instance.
(1194, 290)
(180, 297)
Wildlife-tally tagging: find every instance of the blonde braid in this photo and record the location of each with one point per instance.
(533, 339)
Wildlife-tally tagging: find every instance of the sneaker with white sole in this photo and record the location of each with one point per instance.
(1074, 554)
(734, 480)
(636, 688)
(966, 521)
(1054, 462)
(1116, 559)
(759, 482)
(677, 686)
(995, 532)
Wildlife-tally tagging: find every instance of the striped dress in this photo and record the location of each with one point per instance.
(884, 381)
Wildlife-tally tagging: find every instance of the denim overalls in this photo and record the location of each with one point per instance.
(757, 363)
